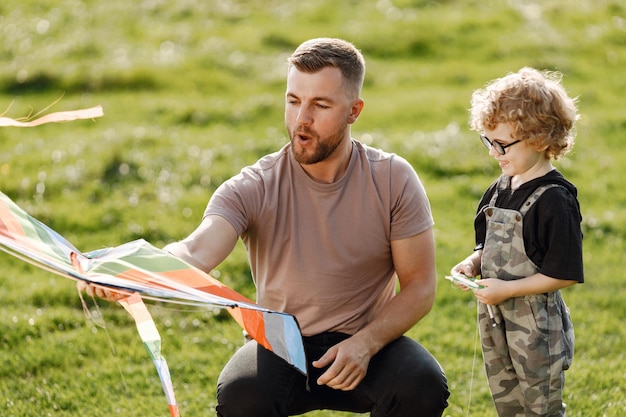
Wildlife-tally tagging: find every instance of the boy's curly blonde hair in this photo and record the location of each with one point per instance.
(534, 103)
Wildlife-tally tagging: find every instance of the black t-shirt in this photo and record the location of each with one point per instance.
(551, 227)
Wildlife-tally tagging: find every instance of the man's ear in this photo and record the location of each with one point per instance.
(355, 110)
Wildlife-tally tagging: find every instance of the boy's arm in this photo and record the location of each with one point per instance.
(497, 291)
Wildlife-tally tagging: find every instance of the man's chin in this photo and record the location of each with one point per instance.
(304, 159)
(301, 156)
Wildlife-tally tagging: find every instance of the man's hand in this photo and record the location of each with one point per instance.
(94, 290)
(348, 362)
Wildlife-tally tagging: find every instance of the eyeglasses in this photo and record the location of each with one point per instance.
(500, 148)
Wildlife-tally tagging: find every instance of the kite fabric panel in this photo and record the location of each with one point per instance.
(152, 342)
(137, 270)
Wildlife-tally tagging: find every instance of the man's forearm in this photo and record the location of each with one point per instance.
(405, 310)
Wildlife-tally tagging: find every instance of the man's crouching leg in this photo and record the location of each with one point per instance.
(255, 382)
(406, 380)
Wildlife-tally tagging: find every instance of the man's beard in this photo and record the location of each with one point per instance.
(321, 150)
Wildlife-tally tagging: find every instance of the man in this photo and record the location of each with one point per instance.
(329, 225)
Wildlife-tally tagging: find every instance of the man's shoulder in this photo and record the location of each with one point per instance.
(270, 162)
(373, 154)
(377, 155)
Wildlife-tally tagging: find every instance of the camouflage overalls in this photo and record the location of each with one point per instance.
(532, 343)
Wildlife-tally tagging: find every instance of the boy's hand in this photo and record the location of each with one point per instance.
(464, 282)
(495, 291)
(466, 269)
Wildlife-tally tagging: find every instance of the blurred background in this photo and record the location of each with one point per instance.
(193, 91)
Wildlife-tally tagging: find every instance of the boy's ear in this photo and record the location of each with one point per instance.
(543, 149)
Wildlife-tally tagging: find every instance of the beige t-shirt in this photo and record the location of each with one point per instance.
(322, 252)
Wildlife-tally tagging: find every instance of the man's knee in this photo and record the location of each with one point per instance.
(427, 390)
(417, 382)
(242, 398)
(252, 384)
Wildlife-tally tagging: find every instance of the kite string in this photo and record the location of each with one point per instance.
(8, 108)
(472, 375)
(30, 114)
(98, 320)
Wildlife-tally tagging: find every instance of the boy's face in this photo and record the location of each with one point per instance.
(520, 160)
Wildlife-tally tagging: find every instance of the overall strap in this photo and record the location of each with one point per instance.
(503, 183)
(534, 197)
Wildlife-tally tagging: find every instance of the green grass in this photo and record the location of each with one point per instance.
(192, 91)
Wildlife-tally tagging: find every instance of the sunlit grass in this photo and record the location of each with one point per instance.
(193, 91)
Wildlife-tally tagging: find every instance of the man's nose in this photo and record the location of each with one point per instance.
(304, 116)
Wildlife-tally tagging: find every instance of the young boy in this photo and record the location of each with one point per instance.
(528, 242)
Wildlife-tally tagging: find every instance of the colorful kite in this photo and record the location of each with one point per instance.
(139, 270)
(62, 116)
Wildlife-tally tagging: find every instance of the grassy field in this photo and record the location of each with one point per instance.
(193, 90)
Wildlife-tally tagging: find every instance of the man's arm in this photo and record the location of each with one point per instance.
(205, 248)
(414, 261)
(208, 245)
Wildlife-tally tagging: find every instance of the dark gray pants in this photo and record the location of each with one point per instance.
(403, 379)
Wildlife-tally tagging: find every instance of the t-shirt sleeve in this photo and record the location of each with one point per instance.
(237, 200)
(559, 242)
(410, 209)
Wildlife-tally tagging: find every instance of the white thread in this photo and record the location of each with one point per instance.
(99, 321)
(471, 386)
